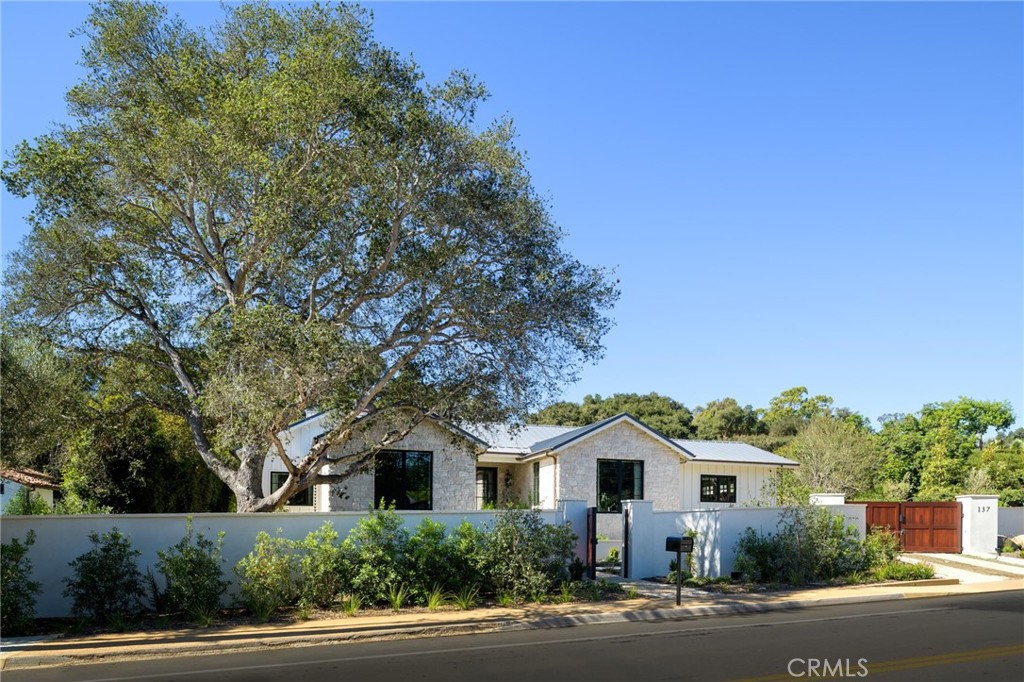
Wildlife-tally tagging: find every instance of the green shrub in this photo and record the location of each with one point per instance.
(267, 576)
(429, 557)
(811, 544)
(880, 548)
(378, 547)
(17, 591)
(467, 556)
(525, 556)
(194, 575)
(899, 570)
(106, 584)
(325, 566)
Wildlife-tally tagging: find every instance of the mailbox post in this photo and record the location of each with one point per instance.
(679, 545)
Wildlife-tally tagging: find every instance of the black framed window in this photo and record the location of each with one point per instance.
(618, 480)
(486, 486)
(303, 499)
(404, 478)
(717, 488)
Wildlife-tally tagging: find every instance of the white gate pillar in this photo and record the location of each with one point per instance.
(980, 523)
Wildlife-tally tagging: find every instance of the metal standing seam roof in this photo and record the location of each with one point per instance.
(731, 452)
(528, 439)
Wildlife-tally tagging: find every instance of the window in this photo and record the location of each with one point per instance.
(618, 480)
(404, 478)
(717, 488)
(303, 499)
(486, 486)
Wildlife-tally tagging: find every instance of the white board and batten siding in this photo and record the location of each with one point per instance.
(750, 483)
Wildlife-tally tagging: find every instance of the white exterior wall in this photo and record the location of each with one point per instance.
(60, 539)
(10, 489)
(718, 530)
(577, 465)
(547, 487)
(750, 483)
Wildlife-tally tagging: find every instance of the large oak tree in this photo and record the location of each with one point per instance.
(279, 214)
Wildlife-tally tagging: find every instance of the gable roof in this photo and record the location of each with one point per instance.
(30, 478)
(523, 442)
(732, 453)
(562, 440)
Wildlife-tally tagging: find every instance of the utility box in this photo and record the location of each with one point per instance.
(678, 544)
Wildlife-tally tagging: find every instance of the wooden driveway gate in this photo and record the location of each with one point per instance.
(922, 526)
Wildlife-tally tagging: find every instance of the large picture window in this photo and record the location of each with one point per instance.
(717, 488)
(404, 478)
(303, 499)
(618, 480)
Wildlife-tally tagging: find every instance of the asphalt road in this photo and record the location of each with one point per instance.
(976, 637)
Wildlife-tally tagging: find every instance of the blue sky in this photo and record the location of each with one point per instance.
(819, 194)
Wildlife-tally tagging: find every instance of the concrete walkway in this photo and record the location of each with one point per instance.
(21, 653)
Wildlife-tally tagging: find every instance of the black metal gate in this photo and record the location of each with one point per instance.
(592, 543)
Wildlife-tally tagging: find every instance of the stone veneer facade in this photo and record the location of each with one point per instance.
(577, 465)
(454, 474)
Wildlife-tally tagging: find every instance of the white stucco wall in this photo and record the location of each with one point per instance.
(1011, 521)
(60, 539)
(718, 531)
(577, 465)
(750, 484)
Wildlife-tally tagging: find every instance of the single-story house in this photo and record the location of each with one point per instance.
(443, 467)
(39, 484)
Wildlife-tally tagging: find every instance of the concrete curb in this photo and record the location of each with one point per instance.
(27, 658)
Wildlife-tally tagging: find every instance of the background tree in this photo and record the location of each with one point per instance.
(660, 412)
(834, 456)
(789, 411)
(279, 214)
(724, 419)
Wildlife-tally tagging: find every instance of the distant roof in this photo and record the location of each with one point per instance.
(729, 451)
(30, 478)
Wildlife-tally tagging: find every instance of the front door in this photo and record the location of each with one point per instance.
(486, 487)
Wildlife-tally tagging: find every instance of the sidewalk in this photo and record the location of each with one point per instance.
(21, 653)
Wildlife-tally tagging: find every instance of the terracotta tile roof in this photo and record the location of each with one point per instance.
(30, 478)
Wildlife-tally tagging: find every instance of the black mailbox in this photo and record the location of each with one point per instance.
(678, 544)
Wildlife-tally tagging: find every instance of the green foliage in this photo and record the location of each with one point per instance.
(17, 590)
(811, 544)
(834, 456)
(436, 598)
(429, 555)
(880, 548)
(899, 570)
(725, 419)
(378, 546)
(525, 556)
(657, 411)
(352, 604)
(194, 575)
(789, 411)
(267, 576)
(26, 502)
(467, 597)
(326, 567)
(106, 584)
(397, 596)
